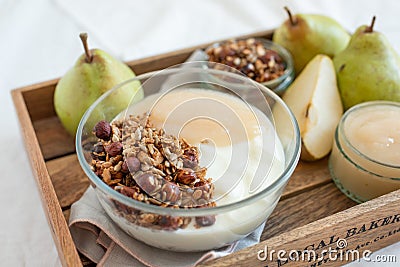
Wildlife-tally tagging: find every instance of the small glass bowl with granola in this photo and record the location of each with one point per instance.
(180, 169)
(259, 59)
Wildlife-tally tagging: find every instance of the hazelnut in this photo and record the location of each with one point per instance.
(128, 191)
(132, 164)
(191, 154)
(169, 223)
(103, 130)
(98, 152)
(205, 220)
(146, 182)
(199, 184)
(190, 158)
(189, 164)
(114, 149)
(124, 167)
(172, 192)
(186, 176)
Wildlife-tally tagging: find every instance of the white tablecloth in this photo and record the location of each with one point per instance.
(39, 41)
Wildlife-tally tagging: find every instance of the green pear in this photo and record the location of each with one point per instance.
(307, 35)
(368, 69)
(94, 73)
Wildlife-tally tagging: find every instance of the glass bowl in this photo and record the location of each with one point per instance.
(279, 84)
(259, 156)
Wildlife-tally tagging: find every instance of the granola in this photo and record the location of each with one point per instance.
(250, 57)
(146, 164)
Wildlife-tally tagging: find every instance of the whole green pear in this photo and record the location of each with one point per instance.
(94, 73)
(307, 35)
(368, 69)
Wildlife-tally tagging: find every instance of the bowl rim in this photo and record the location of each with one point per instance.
(96, 182)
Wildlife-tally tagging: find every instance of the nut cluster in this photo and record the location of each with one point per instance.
(148, 165)
(250, 57)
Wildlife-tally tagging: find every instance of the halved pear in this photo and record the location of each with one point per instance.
(315, 102)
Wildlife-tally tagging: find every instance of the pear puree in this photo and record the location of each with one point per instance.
(374, 133)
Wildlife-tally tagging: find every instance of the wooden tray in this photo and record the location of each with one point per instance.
(311, 213)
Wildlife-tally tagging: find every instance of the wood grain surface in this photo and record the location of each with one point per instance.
(69, 180)
(53, 139)
(306, 207)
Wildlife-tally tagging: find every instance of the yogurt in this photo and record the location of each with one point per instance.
(239, 147)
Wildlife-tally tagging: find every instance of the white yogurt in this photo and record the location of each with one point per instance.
(243, 155)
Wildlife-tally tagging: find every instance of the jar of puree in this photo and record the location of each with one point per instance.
(365, 158)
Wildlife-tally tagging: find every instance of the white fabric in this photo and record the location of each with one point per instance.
(39, 41)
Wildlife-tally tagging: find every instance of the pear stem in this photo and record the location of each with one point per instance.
(292, 19)
(370, 28)
(84, 38)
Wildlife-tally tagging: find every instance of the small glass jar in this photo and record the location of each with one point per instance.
(365, 158)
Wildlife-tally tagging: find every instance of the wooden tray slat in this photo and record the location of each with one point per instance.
(53, 139)
(69, 180)
(39, 99)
